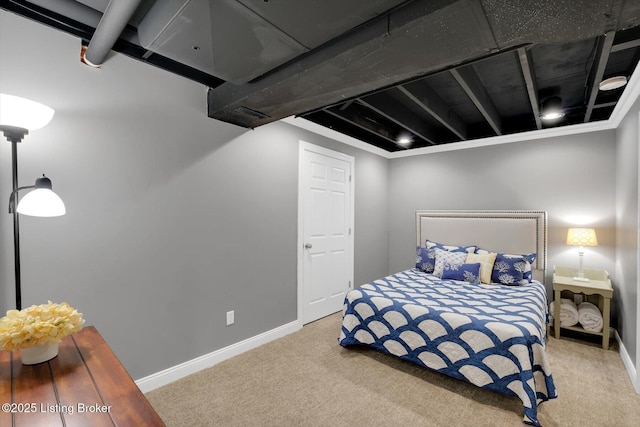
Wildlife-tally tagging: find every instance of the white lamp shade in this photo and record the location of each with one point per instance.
(41, 202)
(582, 237)
(23, 113)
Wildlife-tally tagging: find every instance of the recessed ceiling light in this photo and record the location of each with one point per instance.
(613, 83)
(552, 109)
(404, 140)
(552, 115)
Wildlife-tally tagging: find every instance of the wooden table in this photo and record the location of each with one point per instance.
(598, 285)
(85, 385)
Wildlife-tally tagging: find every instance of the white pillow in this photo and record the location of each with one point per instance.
(452, 259)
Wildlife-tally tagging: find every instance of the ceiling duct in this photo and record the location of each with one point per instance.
(114, 20)
(241, 40)
(225, 38)
(71, 9)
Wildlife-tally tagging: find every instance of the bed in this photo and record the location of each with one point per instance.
(481, 320)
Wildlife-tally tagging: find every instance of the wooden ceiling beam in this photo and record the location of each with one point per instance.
(399, 114)
(625, 45)
(528, 73)
(426, 98)
(471, 84)
(363, 123)
(605, 42)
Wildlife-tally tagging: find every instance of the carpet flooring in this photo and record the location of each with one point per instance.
(306, 379)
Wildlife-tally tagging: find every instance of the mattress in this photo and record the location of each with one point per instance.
(490, 335)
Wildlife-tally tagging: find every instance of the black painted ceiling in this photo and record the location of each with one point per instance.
(433, 71)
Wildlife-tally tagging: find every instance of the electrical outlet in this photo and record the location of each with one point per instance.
(230, 317)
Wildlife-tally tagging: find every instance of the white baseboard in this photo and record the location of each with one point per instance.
(628, 363)
(189, 367)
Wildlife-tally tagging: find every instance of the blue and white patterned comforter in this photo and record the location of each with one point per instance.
(492, 336)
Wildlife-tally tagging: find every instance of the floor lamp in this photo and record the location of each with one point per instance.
(18, 116)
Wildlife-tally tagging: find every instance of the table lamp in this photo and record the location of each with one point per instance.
(581, 237)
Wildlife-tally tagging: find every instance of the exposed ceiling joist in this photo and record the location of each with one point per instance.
(427, 99)
(399, 114)
(528, 73)
(471, 84)
(625, 45)
(352, 117)
(603, 51)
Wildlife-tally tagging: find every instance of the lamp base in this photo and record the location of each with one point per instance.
(581, 279)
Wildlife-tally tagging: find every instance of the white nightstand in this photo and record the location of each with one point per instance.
(598, 284)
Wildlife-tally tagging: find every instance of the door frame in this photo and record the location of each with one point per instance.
(303, 147)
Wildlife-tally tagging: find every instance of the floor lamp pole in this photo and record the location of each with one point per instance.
(16, 228)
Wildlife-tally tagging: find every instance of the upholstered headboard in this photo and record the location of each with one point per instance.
(516, 232)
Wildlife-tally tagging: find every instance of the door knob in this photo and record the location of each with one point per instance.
(308, 246)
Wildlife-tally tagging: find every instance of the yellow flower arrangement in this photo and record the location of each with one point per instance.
(38, 325)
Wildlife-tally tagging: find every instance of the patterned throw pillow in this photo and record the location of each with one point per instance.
(423, 261)
(446, 258)
(486, 261)
(530, 258)
(426, 257)
(465, 272)
(513, 270)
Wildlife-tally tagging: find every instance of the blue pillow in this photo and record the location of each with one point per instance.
(465, 272)
(426, 257)
(512, 269)
(423, 261)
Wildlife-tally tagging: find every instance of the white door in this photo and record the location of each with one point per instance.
(325, 231)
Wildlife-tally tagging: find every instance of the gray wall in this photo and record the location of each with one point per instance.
(173, 218)
(571, 178)
(627, 136)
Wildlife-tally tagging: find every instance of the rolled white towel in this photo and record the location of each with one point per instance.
(590, 317)
(568, 312)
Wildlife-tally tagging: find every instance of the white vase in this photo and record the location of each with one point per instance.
(39, 353)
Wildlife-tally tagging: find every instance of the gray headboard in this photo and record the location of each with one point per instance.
(517, 232)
